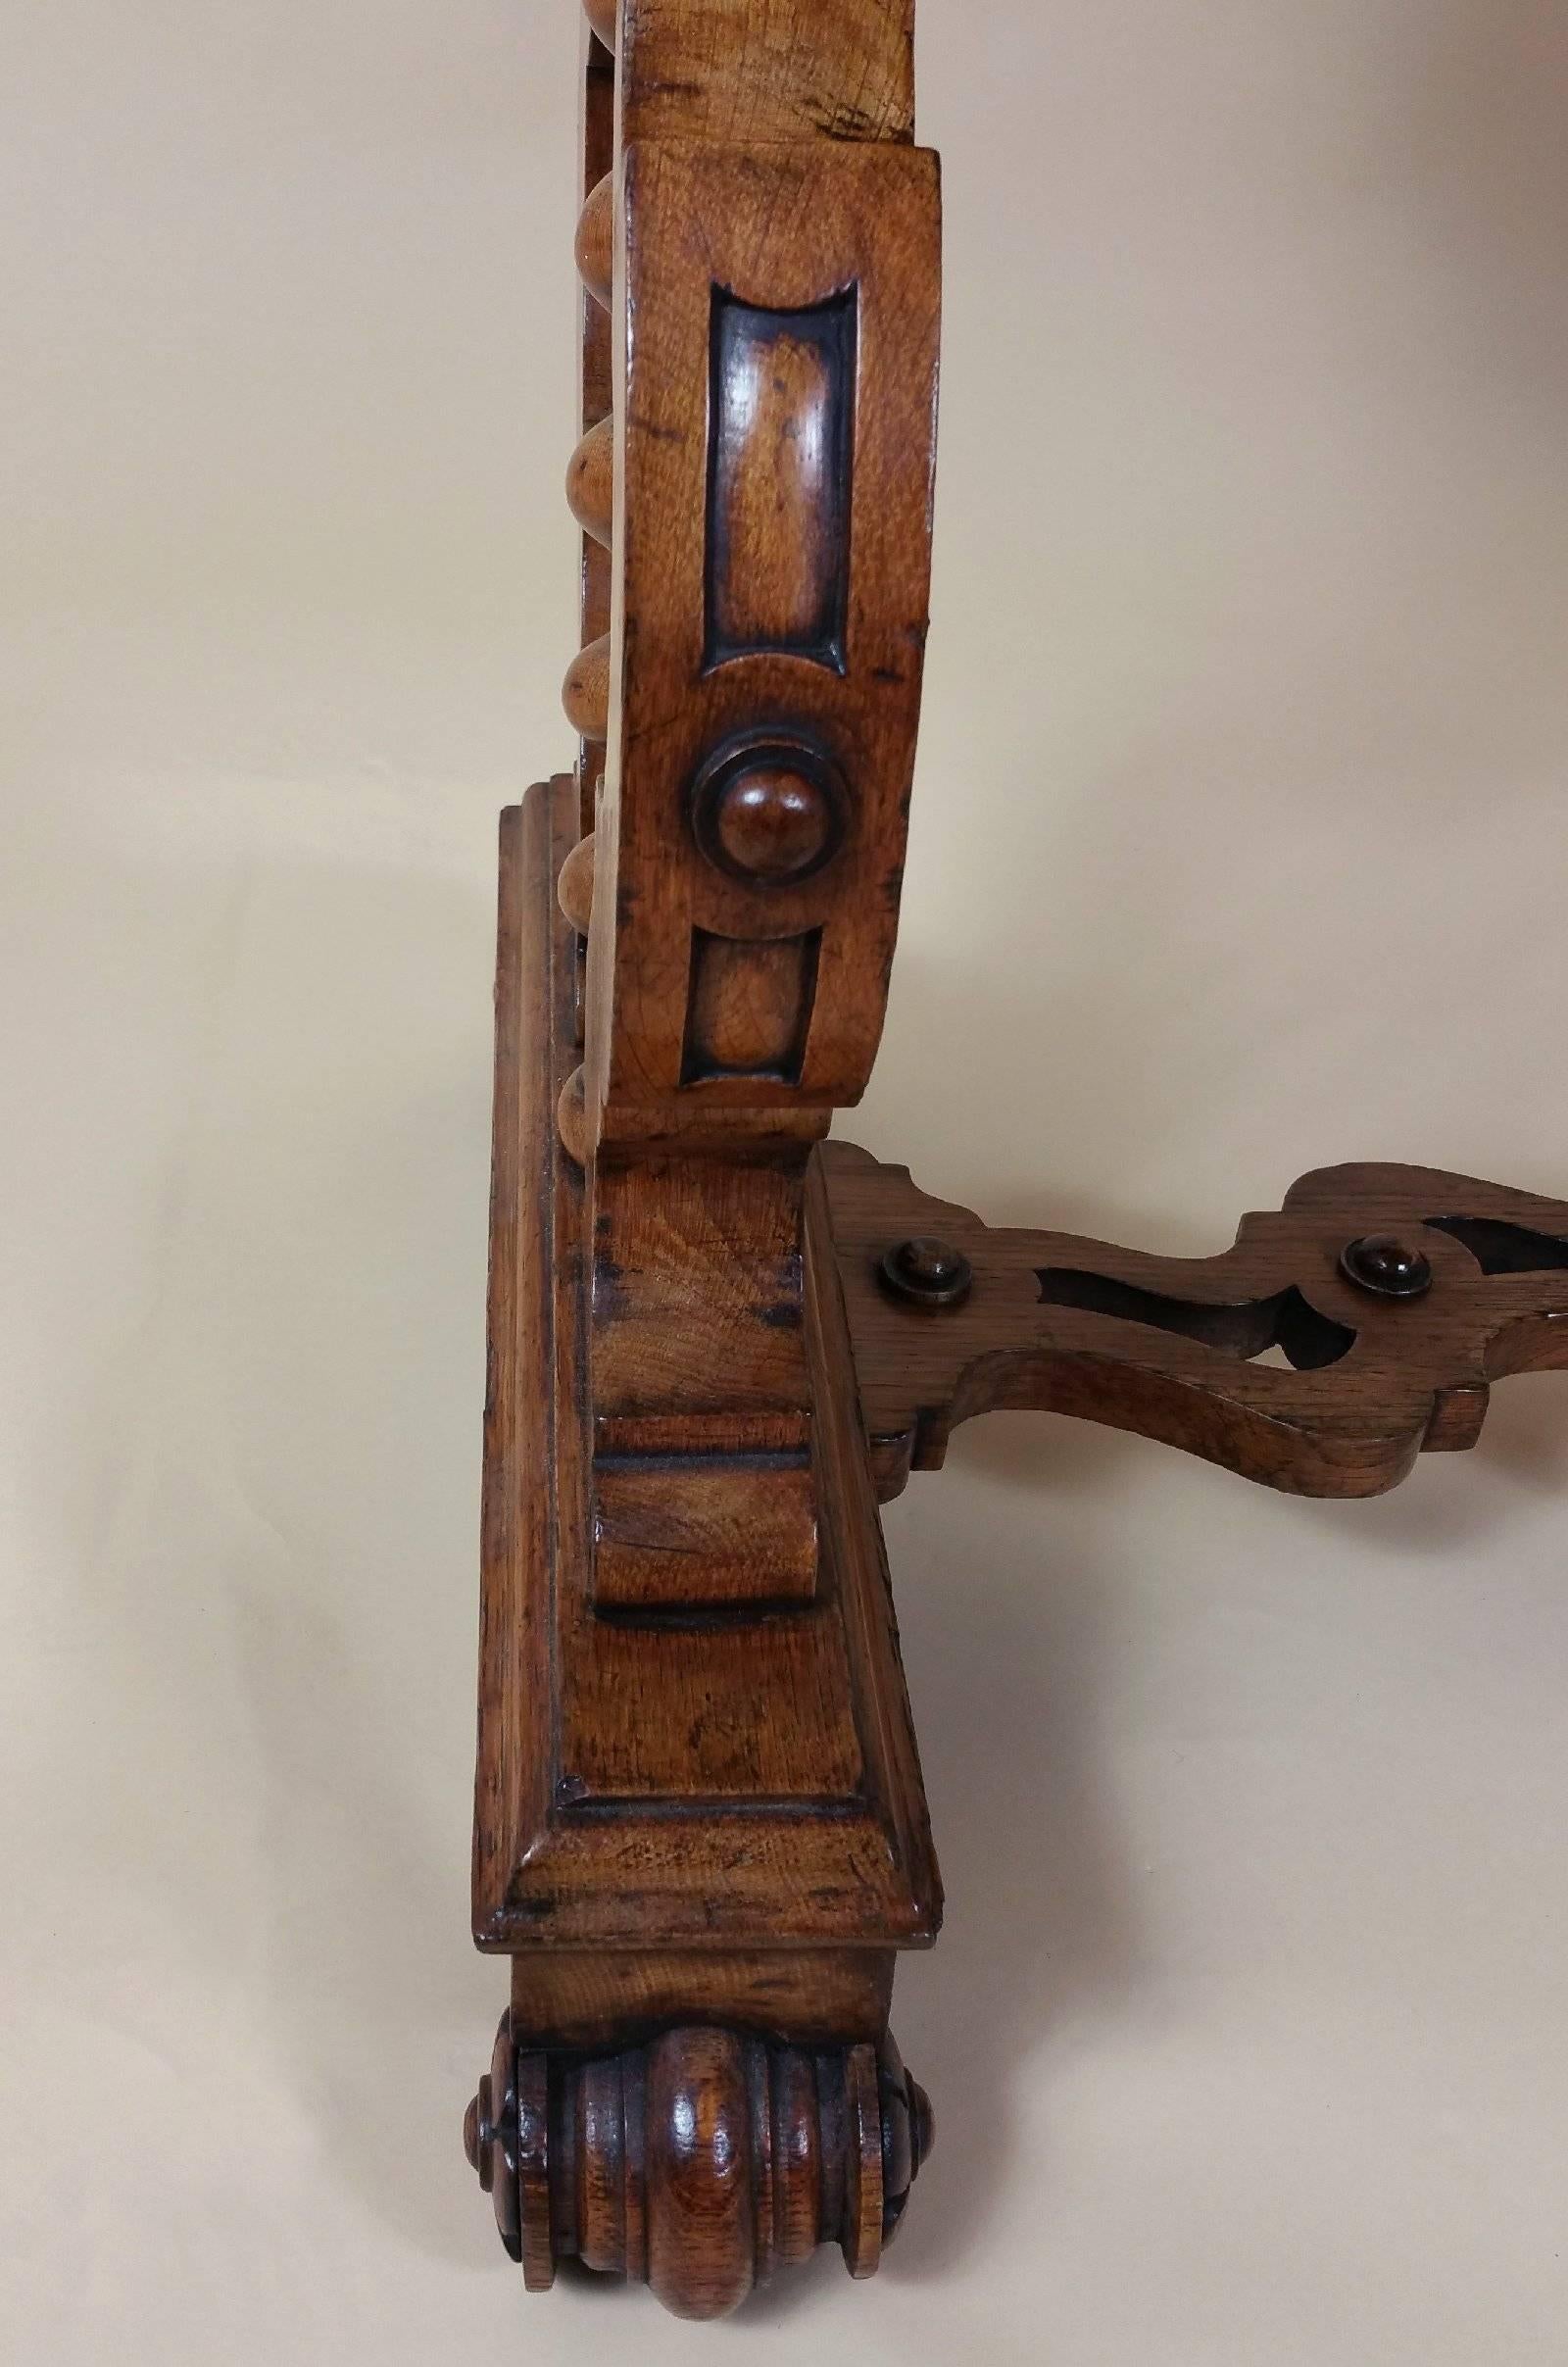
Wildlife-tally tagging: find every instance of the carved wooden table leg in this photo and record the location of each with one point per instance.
(700, 1831)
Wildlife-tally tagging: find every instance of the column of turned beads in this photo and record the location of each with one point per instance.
(590, 495)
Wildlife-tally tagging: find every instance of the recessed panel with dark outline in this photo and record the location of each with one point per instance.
(781, 442)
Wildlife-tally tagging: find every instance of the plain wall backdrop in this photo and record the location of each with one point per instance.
(1239, 847)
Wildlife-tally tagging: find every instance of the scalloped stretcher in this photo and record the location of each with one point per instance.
(1171, 1347)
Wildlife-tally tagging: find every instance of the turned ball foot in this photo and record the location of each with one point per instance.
(699, 2164)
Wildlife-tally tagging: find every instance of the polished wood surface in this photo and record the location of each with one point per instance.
(597, 1998)
(757, 75)
(718, 1753)
(701, 2162)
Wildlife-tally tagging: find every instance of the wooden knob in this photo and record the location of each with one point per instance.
(702, 2163)
(585, 692)
(769, 809)
(604, 17)
(594, 242)
(575, 886)
(591, 482)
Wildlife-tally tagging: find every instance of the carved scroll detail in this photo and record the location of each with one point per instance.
(700, 2164)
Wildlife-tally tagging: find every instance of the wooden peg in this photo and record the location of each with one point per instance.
(590, 482)
(595, 244)
(585, 693)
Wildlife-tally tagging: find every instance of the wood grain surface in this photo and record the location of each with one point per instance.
(711, 1768)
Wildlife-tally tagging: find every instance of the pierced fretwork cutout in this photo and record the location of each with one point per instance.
(1247, 1329)
(1500, 1248)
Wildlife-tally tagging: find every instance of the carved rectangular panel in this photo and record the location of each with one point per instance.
(703, 1488)
(749, 1012)
(781, 446)
(776, 330)
(679, 1532)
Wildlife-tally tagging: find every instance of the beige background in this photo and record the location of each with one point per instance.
(1239, 847)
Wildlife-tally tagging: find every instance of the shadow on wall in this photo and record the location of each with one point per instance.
(1485, 166)
(283, 1563)
(1040, 1921)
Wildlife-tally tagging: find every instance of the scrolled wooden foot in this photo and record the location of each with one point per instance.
(699, 2164)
